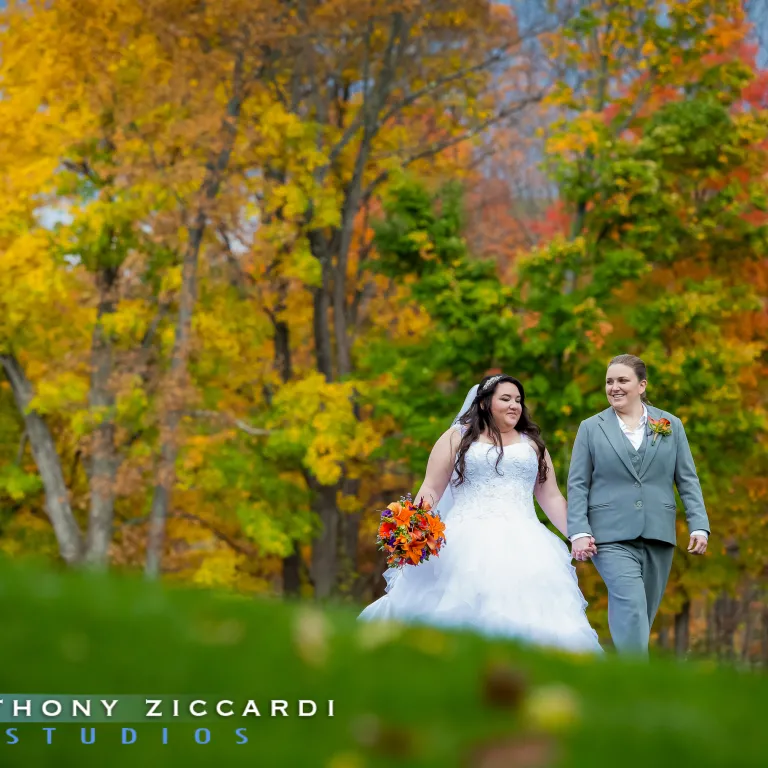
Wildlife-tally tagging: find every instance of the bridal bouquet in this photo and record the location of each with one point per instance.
(410, 534)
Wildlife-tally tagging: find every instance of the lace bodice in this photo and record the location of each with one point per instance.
(490, 491)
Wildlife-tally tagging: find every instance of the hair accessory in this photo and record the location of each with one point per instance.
(488, 384)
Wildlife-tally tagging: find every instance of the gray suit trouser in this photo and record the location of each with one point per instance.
(636, 574)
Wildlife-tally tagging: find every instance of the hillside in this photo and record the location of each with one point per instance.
(412, 697)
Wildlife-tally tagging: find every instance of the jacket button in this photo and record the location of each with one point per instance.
(638, 504)
(637, 485)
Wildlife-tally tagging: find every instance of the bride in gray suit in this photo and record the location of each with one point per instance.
(625, 465)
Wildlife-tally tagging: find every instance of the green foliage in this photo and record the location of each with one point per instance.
(421, 247)
(422, 232)
(18, 484)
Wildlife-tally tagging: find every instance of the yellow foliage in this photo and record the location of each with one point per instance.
(303, 266)
(319, 416)
(217, 569)
(58, 391)
(171, 282)
(26, 532)
(35, 295)
(112, 111)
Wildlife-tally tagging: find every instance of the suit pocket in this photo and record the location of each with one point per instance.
(671, 506)
(599, 506)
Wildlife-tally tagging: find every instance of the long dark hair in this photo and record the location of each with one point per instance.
(638, 366)
(478, 419)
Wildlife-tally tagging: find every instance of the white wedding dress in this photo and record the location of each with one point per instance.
(501, 572)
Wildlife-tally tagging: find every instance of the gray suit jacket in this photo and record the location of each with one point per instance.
(613, 502)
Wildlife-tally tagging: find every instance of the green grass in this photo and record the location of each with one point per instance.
(418, 698)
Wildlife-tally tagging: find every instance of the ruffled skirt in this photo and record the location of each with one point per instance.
(499, 575)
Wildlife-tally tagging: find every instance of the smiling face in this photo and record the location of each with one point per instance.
(506, 406)
(622, 387)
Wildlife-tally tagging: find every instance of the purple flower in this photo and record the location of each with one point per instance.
(387, 513)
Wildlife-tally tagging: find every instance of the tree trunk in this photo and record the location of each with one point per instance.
(175, 385)
(348, 543)
(292, 573)
(102, 401)
(710, 630)
(726, 619)
(764, 636)
(333, 255)
(57, 504)
(683, 630)
(663, 641)
(321, 325)
(748, 626)
(324, 565)
(283, 351)
(291, 564)
(344, 241)
(188, 295)
(324, 557)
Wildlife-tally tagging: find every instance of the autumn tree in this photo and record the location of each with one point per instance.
(405, 84)
(662, 173)
(133, 147)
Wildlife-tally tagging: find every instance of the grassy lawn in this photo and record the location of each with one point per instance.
(405, 697)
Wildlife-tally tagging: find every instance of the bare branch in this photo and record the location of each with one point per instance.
(372, 99)
(242, 548)
(431, 87)
(441, 146)
(233, 420)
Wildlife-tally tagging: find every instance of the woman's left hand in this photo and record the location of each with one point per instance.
(697, 545)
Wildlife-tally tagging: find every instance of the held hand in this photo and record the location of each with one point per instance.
(697, 545)
(584, 548)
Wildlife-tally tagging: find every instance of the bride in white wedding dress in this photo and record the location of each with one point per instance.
(501, 571)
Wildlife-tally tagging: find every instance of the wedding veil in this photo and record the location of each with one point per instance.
(446, 502)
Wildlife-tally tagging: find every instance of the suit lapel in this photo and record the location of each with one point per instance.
(609, 423)
(651, 450)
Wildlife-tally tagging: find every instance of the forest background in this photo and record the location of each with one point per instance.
(254, 253)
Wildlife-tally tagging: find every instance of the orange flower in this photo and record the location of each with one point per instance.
(403, 514)
(413, 550)
(659, 427)
(386, 529)
(436, 525)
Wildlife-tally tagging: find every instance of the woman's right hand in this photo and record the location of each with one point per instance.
(584, 548)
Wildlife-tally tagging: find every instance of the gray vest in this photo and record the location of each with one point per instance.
(636, 456)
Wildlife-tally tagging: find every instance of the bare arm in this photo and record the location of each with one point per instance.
(551, 500)
(439, 468)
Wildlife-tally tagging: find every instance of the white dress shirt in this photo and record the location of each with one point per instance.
(635, 436)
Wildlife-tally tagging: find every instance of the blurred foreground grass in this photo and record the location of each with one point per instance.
(412, 697)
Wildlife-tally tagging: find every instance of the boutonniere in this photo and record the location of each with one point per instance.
(661, 427)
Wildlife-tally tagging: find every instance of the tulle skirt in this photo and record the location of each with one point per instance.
(499, 575)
